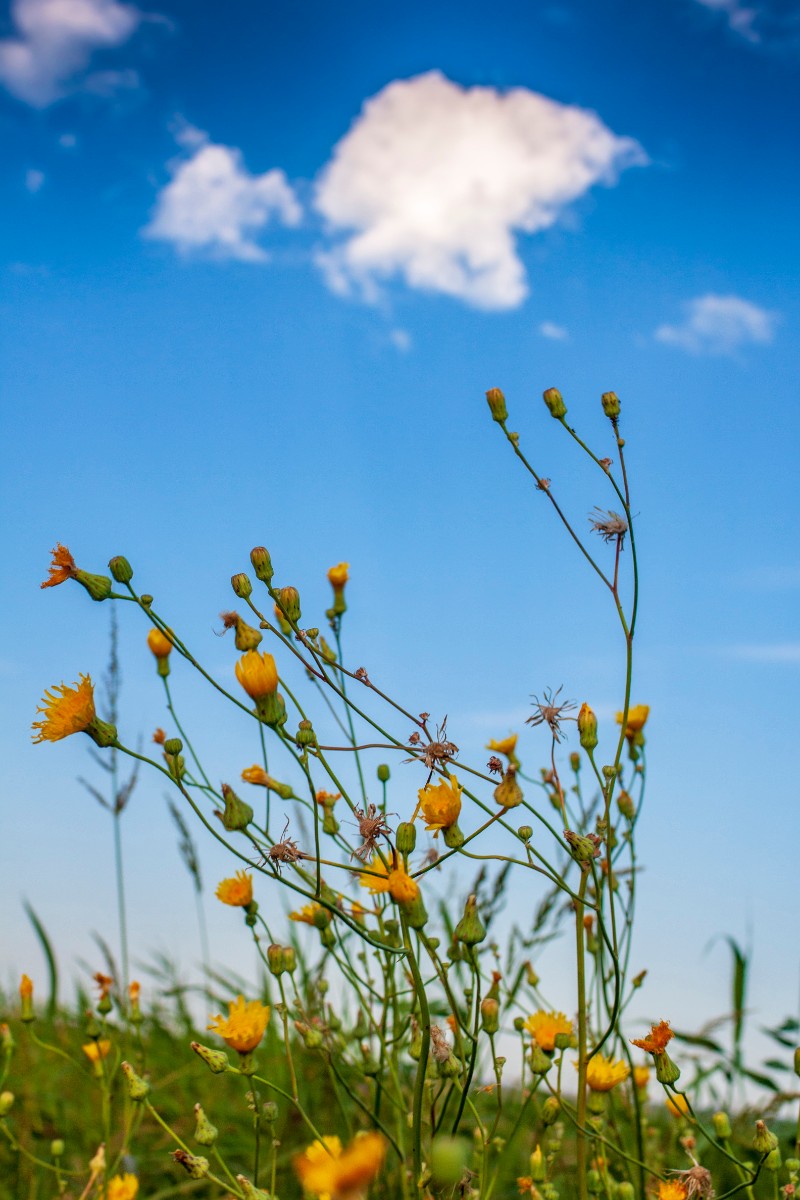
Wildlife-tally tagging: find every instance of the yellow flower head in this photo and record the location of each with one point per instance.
(677, 1105)
(307, 914)
(122, 1187)
(338, 576)
(159, 643)
(244, 1027)
(25, 988)
(637, 719)
(256, 775)
(257, 673)
(506, 745)
(602, 1074)
(657, 1039)
(544, 1026)
(134, 990)
(66, 710)
(671, 1189)
(440, 804)
(394, 879)
(236, 891)
(328, 798)
(62, 567)
(95, 1051)
(641, 1076)
(324, 1169)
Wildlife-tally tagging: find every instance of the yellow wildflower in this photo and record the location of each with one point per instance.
(256, 775)
(244, 1027)
(338, 576)
(329, 798)
(134, 990)
(678, 1105)
(395, 880)
(26, 988)
(66, 710)
(671, 1189)
(61, 568)
(602, 1074)
(637, 719)
(440, 804)
(641, 1076)
(160, 644)
(345, 1175)
(257, 673)
(307, 914)
(657, 1039)
(122, 1187)
(506, 745)
(95, 1051)
(236, 891)
(544, 1026)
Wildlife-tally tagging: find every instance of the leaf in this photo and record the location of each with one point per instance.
(52, 966)
(763, 1080)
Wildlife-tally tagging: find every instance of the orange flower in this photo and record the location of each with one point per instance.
(159, 737)
(678, 1105)
(657, 1039)
(671, 1189)
(637, 719)
(134, 991)
(236, 891)
(544, 1027)
(440, 804)
(308, 914)
(338, 576)
(324, 797)
(105, 984)
(342, 1175)
(506, 745)
(95, 1051)
(122, 1187)
(245, 1025)
(62, 567)
(395, 880)
(66, 710)
(257, 673)
(159, 642)
(26, 988)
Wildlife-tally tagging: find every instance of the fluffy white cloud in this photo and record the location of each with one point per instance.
(213, 203)
(433, 180)
(556, 333)
(54, 41)
(719, 325)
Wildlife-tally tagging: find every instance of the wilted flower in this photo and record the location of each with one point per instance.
(548, 713)
(657, 1039)
(609, 525)
(244, 1027)
(62, 567)
(236, 891)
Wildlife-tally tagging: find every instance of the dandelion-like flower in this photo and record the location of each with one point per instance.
(256, 775)
(61, 568)
(95, 1051)
(657, 1039)
(671, 1189)
(236, 891)
(393, 879)
(122, 1187)
(26, 988)
(308, 914)
(440, 804)
(257, 673)
(338, 575)
(637, 719)
(603, 1074)
(345, 1175)
(66, 710)
(245, 1025)
(506, 745)
(159, 643)
(544, 1027)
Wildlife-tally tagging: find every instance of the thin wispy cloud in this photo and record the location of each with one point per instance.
(766, 652)
(434, 182)
(34, 180)
(556, 333)
(767, 24)
(214, 205)
(53, 42)
(717, 325)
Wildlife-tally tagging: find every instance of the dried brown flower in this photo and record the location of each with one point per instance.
(371, 825)
(544, 485)
(609, 525)
(548, 712)
(495, 765)
(697, 1181)
(285, 851)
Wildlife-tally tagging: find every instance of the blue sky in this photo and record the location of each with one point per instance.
(261, 262)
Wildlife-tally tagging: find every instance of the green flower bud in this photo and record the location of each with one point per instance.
(275, 960)
(773, 1161)
(262, 564)
(524, 833)
(594, 1183)
(251, 1193)
(173, 746)
(289, 599)
(469, 929)
(270, 1111)
(406, 837)
(216, 1060)
(193, 1164)
(539, 1060)
(247, 638)
(138, 1088)
(508, 793)
(237, 815)
(519, 1024)
(555, 403)
(241, 585)
(289, 959)
(490, 1015)
(414, 911)
(626, 806)
(449, 1159)
(121, 569)
(98, 586)
(330, 657)
(57, 1147)
(764, 1142)
(666, 1070)
(497, 405)
(453, 837)
(722, 1125)
(610, 403)
(383, 773)
(6, 1103)
(305, 734)
(551, 1110)
(625, 1191)
(587, 728)
(102, 733)
(205, 1134)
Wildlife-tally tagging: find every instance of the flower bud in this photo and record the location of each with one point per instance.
(283, 624)
(539, 1060)
(246, 637)
(538, 1168)
(137, 1087)
(26, 999)
(98, 586)
(555, 403)
(449, 1160)
(587, 728)
(497, 405)
(305, 734)
(194, 1165)
(173, 746)
(262, 564)
(508, 793)
(289, 959)
(722, 1125)
(773, 1161)
(625, 1191)
(383, 773)
(551, 1110)
(610, 403)
(797, 1061)
(57, 1147)
(237, 815)
(6, 1103)
(626, 806)
(490, 1015)
(406, 837)
(525, 833)
(453, 837)
(414, 911)
(102, 733)
(289, 599)
(270, 1110)
(205, 1134)
(666, 1070)
(121, 569)
(241, 585)
(275, 960)
(249, 1192)
(519, 1024)
(216, 1060)
(469, 929)
(764, 1142)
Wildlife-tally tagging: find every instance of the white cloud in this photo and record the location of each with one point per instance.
(434, 180)
(777, 652)
(34, 180)
(213, 203)
(556, 333)
(772, 25)
(719, 325)
(54, 41)
(68, 141)
(401, 340)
